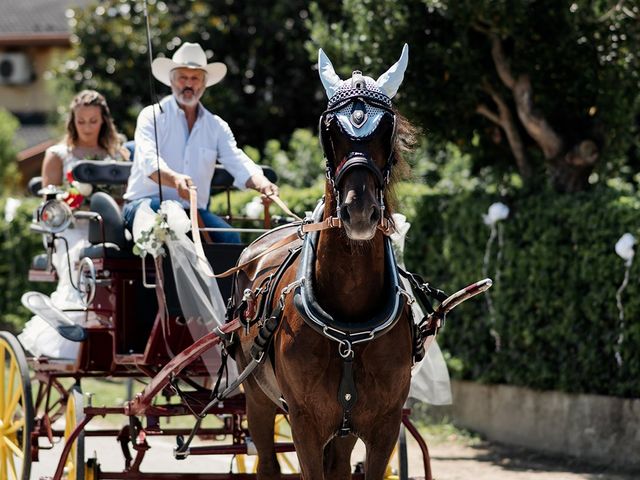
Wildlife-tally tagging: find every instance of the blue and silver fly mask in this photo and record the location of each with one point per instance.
(358, 107)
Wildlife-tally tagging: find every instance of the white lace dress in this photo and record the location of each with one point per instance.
(38, 336)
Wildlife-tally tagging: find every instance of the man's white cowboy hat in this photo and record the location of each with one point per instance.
(189, 55)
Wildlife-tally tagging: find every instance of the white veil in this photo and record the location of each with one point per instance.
(430, 378)
(200, 299)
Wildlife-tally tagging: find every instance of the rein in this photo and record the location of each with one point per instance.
(305, 227)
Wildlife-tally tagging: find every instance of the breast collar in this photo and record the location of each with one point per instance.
(341, 330)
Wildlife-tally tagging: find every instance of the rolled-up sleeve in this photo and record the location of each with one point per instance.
(145, 141)
(236, 162)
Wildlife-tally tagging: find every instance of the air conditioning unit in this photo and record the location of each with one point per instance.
(15, 69)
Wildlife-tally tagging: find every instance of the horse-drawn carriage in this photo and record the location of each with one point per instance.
(317, 304)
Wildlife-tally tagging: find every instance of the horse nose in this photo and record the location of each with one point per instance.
(350, 213)
(375, 214)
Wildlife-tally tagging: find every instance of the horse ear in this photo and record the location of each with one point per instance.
(330, 80)
(390, 81)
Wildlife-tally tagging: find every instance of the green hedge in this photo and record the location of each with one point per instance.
(555, 301)
(18, 246)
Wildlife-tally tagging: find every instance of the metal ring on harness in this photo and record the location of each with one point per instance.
(345, 349)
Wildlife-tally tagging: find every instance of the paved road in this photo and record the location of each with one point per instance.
(453, 459)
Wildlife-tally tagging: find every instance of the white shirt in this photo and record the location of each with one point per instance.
(192, 153)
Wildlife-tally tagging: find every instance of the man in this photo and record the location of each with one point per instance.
(190, 141)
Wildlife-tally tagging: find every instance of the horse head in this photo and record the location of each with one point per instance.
(358, 136)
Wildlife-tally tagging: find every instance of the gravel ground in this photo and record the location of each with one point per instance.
(452, 458)
(456, 460)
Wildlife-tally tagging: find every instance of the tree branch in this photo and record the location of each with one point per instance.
(506, 121)
(584, 154)
(611, 12)
(534, 123)
(483, 110)
(502, 65)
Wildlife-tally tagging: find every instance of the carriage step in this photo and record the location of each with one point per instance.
(43, 306)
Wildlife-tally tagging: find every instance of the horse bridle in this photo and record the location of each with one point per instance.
(369, 109)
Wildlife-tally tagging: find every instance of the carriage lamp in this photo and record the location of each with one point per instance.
(54, 215)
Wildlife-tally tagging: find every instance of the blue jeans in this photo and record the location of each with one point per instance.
(210, 220)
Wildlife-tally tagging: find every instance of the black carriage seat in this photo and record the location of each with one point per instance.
(96, 172)
(222, 180)
(107, 237)
(100, 172)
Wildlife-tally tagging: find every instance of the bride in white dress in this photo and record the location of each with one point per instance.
(91, 134)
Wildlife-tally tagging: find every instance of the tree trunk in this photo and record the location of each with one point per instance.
(570, 172)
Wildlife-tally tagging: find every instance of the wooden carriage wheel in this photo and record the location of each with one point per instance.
(16, 410)
(399, 457)
(288, 461)
(74, 413)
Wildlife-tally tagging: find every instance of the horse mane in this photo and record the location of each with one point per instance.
(406, 141)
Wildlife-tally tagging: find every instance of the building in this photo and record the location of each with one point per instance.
(33, 35)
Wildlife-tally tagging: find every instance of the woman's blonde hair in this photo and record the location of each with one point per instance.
(108, 137)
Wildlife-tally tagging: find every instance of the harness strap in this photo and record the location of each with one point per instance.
(278, 201)
(279, 244)
(329, 222)
(347, 395)
(385, 225)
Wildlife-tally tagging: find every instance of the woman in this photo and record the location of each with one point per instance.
(91, 134)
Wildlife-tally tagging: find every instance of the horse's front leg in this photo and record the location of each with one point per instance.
(261, 414)
(380, 444)
(309, 440)
(337, 458)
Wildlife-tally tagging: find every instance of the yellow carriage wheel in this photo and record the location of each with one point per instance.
(73, 415)
(288, 461)
(92, 469)
(399, 458)
(16, 410)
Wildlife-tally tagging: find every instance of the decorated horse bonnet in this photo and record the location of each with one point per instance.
(358, 106)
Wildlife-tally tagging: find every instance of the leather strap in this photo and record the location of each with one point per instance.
(279, 244)
(384, 226)
(278, 201)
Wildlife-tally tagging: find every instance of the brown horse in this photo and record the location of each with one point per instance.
(329, 311)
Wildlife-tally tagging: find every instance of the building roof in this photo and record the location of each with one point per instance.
(22, 20)
(28, 136)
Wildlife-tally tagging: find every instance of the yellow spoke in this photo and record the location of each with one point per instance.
(283, 458)
(12, 406)
(13, 447)
(11, 379)
(12, 468)
(15, 426)
(3, 461)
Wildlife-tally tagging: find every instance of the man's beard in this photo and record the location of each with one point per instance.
(190, 101)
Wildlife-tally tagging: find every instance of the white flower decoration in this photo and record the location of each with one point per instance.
(624, 247)
(497, 211)
(85, 189)
(11, 208)
(254, 208)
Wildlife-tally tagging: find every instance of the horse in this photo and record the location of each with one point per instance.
(326, 321)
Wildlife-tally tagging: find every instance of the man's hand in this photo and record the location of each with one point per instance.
(174, 179)
(262, 184)
(182, 185)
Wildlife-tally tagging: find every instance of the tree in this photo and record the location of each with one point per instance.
(270, 88)
(9, 174)
(547, 86)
